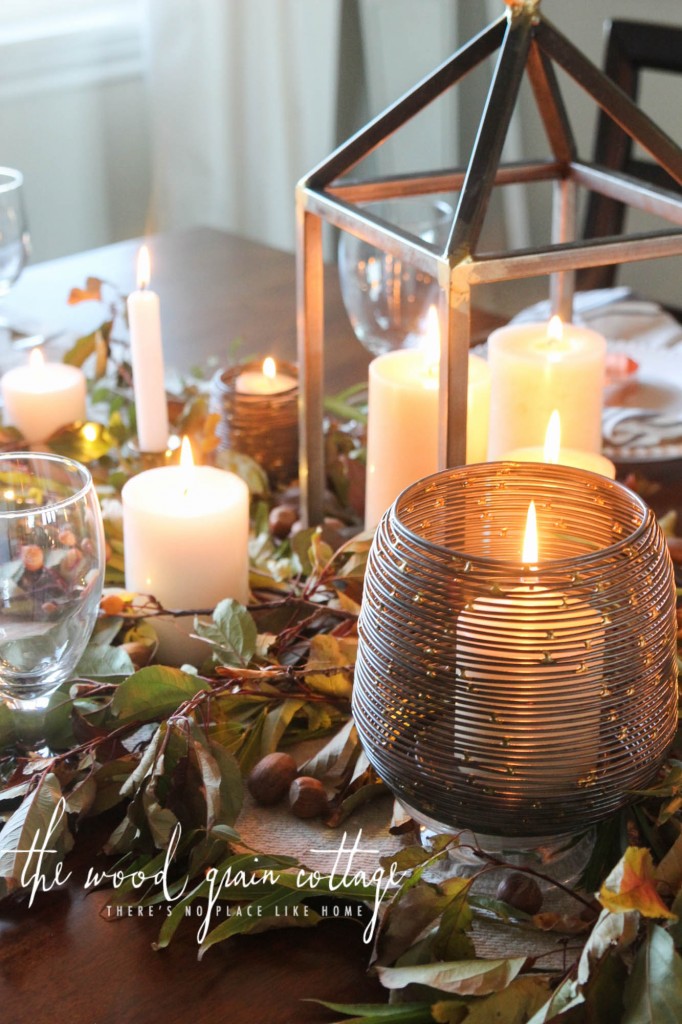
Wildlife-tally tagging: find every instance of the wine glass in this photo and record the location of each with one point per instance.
(51, 575)
(14, 236)
(386, 297)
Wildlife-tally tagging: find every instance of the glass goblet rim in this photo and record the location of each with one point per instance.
(16, 179)
(62, 460)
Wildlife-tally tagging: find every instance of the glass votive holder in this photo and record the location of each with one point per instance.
(263, 425)
(522, 703)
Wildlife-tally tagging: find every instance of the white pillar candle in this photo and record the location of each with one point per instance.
(267, 381)
(535, 369)
(185, 535)
(523, 654)
(402, 429)
(146, 353)
(555, 454)
(41, 397)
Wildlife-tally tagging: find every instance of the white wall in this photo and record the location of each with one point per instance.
(83, 151)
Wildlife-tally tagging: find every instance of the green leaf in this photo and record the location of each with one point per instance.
(6, 725)
(451, 941)
(670, 868)
(154, 693)
(231, 785)
(365, 1013)
(653, 993)
(36, 814)
(232, 631)
(277, 721)
(100, 660)
(336, 756)
(463, 977)
(85, 346)
(265, 907)
(612, 931)
(515, 1005)
(253, 475)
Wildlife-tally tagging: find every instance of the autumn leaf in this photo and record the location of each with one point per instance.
(91, 292)
(632, 886)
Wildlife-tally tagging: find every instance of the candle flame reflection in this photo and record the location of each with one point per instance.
(431, 341)
(269, 368)
(143, 268)
(530, 539)
(553, 439)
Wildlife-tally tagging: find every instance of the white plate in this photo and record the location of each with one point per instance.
(657, 386)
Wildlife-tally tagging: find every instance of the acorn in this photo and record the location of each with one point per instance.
(307, 797)
(271, 778)
(281, 519)
(520, 891)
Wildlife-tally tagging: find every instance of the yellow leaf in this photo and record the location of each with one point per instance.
(632, 886)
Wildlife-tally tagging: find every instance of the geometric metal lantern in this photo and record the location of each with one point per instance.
(525, 41)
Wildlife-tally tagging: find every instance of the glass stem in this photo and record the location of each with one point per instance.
(29, 721)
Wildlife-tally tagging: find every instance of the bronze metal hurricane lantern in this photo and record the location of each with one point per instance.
(517, 700)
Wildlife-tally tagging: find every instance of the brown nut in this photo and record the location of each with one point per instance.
(307, 797)
(271, 777)
(71, 564)
(520, 891)
(281, 519)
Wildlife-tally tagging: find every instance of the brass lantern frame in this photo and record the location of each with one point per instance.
(525, 40)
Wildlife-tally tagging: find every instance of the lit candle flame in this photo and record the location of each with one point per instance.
(143, 268)
(530, 538)
(90, 432)
(555, 329)
(186, 457)
(431, 340)
(553, 438)
(269, 368)
(186, 464)
(36, 360)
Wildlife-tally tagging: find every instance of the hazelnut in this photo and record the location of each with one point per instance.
(140, 654)
(307, 797)
(281, 519)
(32, 557)
(70, 564)
(520, 891)
(112, 604)
(271, 777)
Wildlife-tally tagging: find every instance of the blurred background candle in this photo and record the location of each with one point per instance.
(185, 534)
(539, 640)
(41, 397)
(146, 353)
(402, 429)
(536, 368)
(553, 452)
(266, 382)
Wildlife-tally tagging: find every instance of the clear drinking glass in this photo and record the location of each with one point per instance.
(386, 298)
(51, 575)
(14, 236)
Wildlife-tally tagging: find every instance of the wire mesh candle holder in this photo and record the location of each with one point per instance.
(518, 703)
(261, 425)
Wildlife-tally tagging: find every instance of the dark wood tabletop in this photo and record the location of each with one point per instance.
(61, 959)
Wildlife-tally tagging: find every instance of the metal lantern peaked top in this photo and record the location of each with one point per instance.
(526, 41)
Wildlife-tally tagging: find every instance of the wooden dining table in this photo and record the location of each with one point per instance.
(64, 959)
